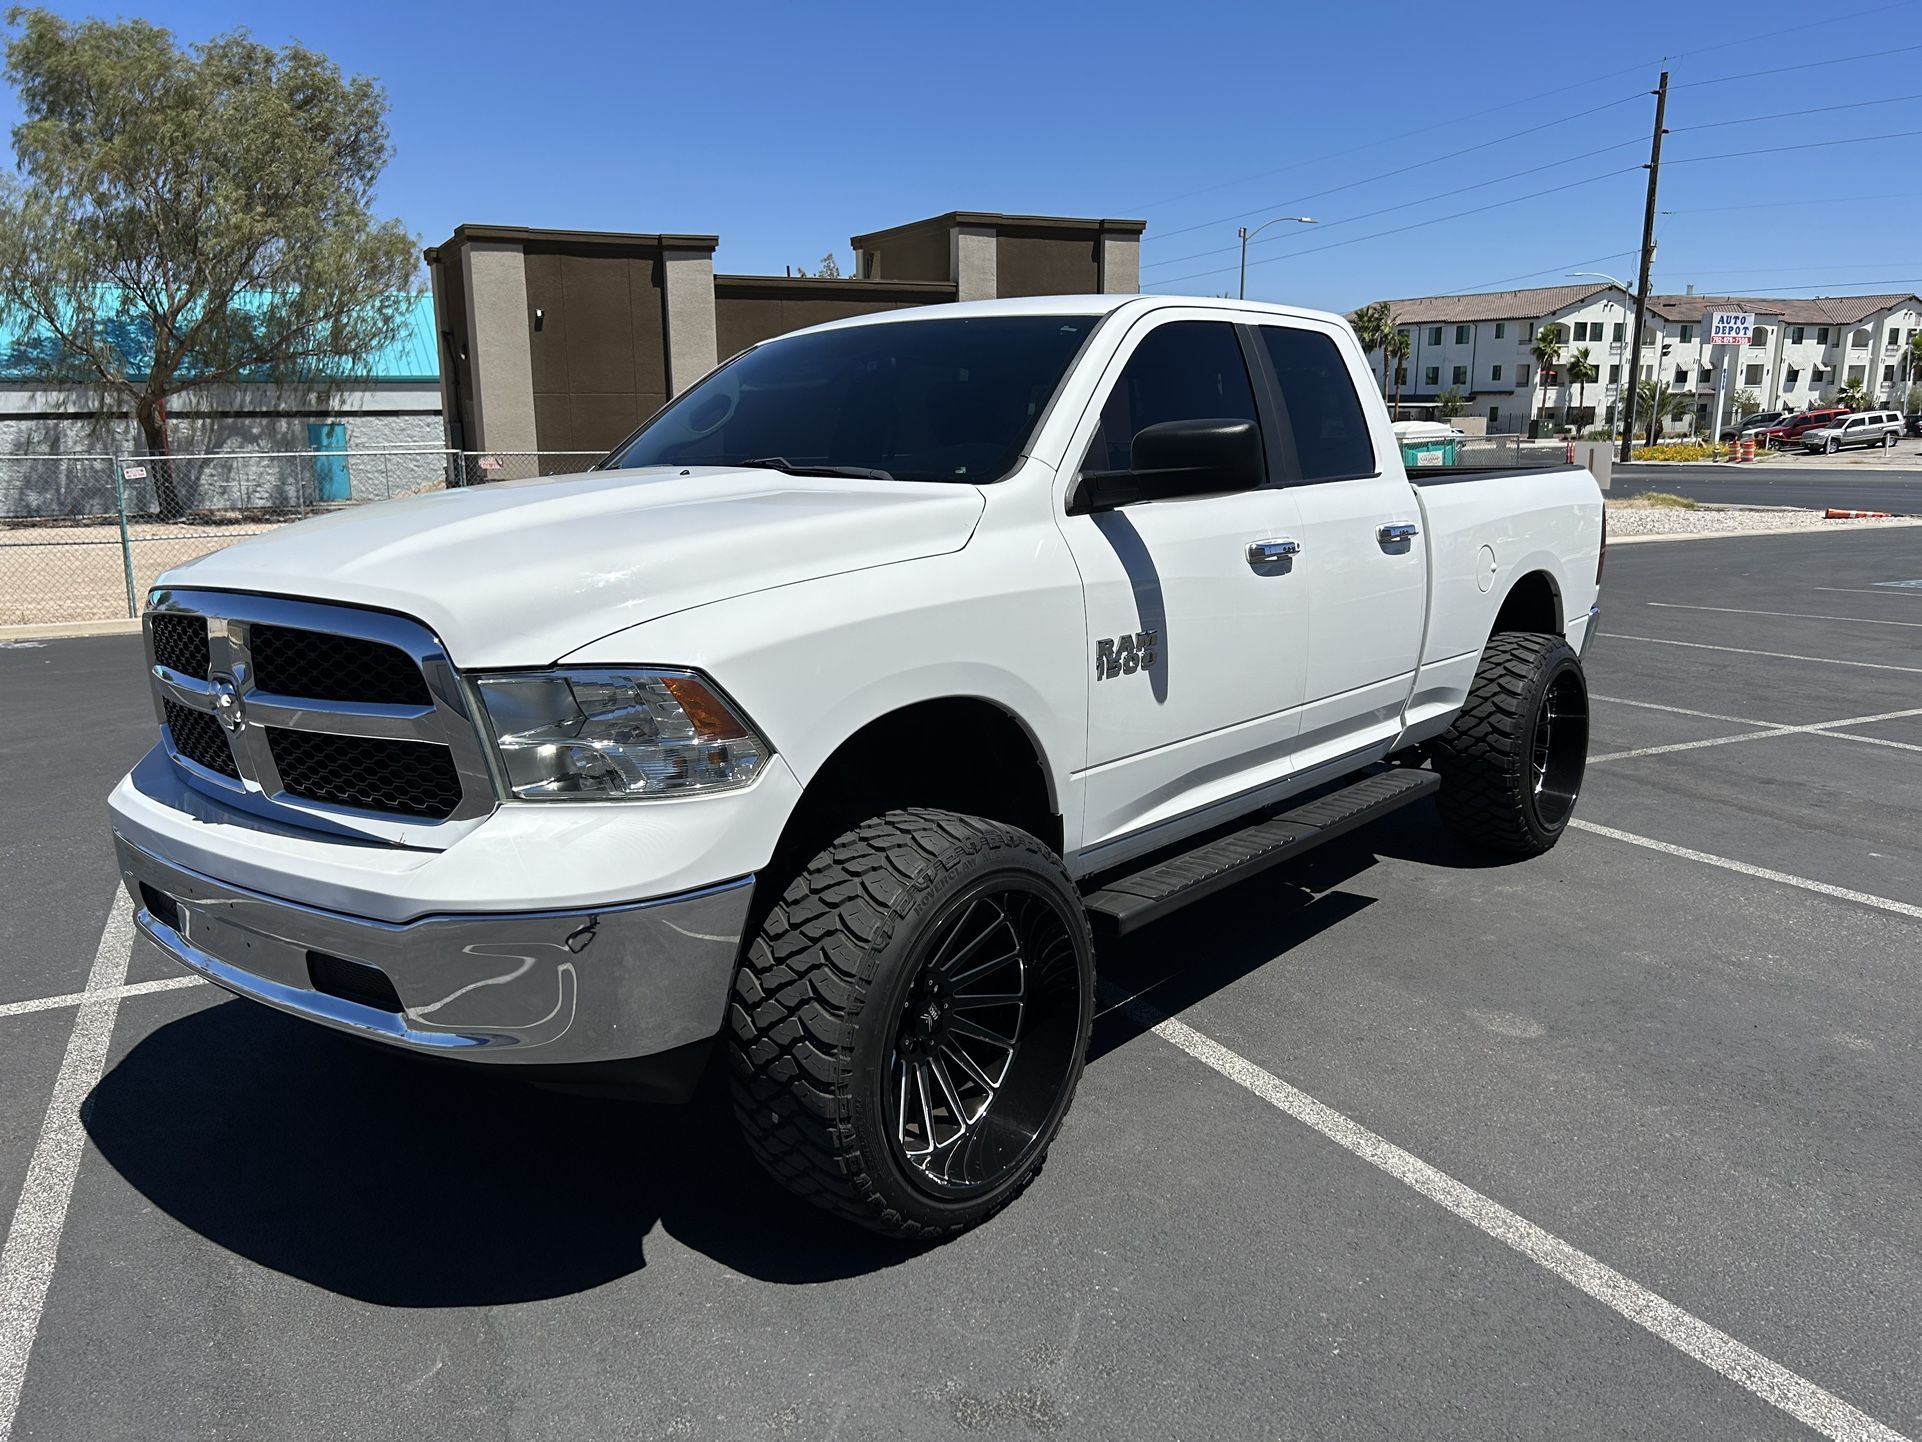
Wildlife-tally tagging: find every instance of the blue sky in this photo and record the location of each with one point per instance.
(787, 128)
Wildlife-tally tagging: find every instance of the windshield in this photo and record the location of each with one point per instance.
(920, 400)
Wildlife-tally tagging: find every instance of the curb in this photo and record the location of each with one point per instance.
(1816, 529)
(67, 630)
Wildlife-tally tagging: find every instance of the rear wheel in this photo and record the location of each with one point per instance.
(1512, 762)
(910, 1024)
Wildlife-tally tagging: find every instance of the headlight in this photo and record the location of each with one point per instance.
(617, 735)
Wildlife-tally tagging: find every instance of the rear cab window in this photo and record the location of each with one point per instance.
(1321, 413)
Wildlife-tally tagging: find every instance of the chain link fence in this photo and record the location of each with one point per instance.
(83, 537)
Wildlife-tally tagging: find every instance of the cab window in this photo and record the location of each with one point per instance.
(1318, 396)
(1187, 370)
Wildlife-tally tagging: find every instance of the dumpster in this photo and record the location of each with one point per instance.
(1426, 444)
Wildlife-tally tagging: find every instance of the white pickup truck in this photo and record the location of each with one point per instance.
(832, 717)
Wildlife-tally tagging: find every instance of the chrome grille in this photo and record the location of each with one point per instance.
(180, 644)
(198, 737)
(330, 715)
(290, 662)
(408, 778)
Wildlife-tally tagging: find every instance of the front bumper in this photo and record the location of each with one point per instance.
(589, 985)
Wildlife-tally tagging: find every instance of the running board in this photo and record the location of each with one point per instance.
(1128, 902)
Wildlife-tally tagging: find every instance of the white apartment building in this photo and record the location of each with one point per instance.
(1803, 351)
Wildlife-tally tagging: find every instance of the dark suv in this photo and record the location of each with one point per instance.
(1760, 421)
(1789, 429)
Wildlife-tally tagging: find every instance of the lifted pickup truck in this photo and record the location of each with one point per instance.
(833, 716)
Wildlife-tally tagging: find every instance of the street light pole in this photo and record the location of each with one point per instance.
(1248, 235)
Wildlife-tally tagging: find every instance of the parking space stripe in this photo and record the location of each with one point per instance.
(1691, 745)
(40, 1216)
(1776, 655)
(1689, 1334)
(1859, 591)
(118, 993)
(1862, 898)
(1681, 711)
(1770, 728)
(1791, 615)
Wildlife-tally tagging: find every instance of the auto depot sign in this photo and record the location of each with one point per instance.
(1730, 327)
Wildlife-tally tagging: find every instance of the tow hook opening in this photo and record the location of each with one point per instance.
(353, 981)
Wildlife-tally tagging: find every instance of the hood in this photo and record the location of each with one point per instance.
(519, 573)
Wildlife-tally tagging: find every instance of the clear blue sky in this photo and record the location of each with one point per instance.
(788, 128)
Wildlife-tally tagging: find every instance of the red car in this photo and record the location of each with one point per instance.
(1789, 429)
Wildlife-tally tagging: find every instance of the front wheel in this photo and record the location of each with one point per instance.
(1833, 446)
(1511, 763)
(910, 1024)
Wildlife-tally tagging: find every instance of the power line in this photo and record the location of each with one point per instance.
(1793, 269)
(1813, 200)
(1406, 204)
(1786, 114)
(1828, 22)
(1401, 170)
(1805, 145)
(1858, 58)
(1416, 225)
(1561, 269)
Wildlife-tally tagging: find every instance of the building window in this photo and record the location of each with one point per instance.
(1434, 335)
(1460, 376)
(1860, 340)
(1501, 330)
(1817, 375)
(1531, 332)
(1705, 377)
(1461, 335)
(1895, 336)
(1614, 375)
(1494, 373)
(1619, 328)
(1494, 414)
(1795, 336)
(1752, 376)
(1521, 375)
(1431, 376)
(1888, 375)
(1688, 334)
(1791, 377)
(1759, 336)
(1822, 335)
(1681, 375)
(1858, 374)
(1402, 332)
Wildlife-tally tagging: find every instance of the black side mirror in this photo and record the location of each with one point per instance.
(1173, 459)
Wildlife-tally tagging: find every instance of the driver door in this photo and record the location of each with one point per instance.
(1196, 620)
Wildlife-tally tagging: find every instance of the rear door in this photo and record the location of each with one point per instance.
(1363, 562)
(1196, 644)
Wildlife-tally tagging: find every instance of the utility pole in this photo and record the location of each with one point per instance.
(1648, 256)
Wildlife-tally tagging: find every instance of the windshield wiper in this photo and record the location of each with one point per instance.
(787, 467)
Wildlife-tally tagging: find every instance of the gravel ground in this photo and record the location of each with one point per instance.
(1629, 520)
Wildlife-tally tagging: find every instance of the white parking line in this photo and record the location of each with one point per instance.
(39, 1217)
(1858, 591)
(1881, 903)
(1777, 655)
(1771, 728)
(1680, 711)
(118, 993)
(1689, 1334)
(1791, 615)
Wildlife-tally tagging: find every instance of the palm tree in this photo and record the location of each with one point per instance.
(1547, 351)
(1374, 323)
(1655, 404)
(1400, 346)
(1854, 395)
(1581, 370)
(1915, 356)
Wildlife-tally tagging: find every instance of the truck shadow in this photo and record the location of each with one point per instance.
(408, 1184)
(404, 1183)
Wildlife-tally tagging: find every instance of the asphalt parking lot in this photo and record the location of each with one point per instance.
(1859, 481)
(1620, 1142)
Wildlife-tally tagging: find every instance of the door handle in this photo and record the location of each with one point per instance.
(1266, 553)
(1397, 531)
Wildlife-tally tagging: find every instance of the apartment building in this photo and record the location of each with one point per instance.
(1802, 352)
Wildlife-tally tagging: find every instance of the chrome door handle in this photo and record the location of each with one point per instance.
(1397, 531)
(1266, 553)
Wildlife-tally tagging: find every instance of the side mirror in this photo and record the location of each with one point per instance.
(1174, 459)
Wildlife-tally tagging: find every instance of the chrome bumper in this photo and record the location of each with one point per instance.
(607, 984)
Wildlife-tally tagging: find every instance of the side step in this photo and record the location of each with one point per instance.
(1129, 902)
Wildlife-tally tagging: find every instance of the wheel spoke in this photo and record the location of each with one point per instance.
(973, 1068)
(975, 973)
(963, 1026)
(986, 998)
(901, 1102)
(941, 960)
(940, 1070)
(927, 1113)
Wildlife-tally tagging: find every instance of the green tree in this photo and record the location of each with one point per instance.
(1854, 395)
(192, 218)
(1913, 355)
(1581, 370)
(1547, 351)
(1746, 403)
(1400, 346)
(830, 268)
(1374, 324)
(1654, 403)
(1450, 404)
